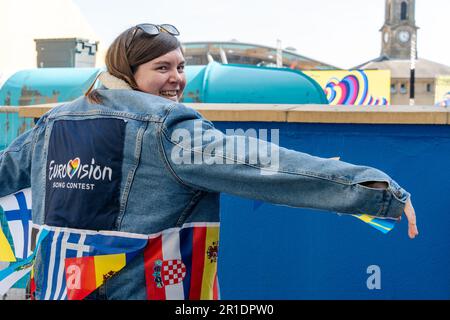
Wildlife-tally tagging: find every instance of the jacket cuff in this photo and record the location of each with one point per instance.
(395, 201)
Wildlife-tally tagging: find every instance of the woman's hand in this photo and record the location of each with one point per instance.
(409, 209)
(411, 216)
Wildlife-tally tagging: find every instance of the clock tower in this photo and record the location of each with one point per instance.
(398, 29)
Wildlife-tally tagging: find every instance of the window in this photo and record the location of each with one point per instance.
(428, 87)
(404, 11)
(393, 89)
(388, 15)
(403, 88)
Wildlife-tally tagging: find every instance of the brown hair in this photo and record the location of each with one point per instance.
(122, 62)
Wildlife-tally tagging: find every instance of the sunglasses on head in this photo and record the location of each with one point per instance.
(153, 30)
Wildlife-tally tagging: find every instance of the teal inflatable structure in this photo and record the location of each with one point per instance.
(213, 83)
(39, 86)
(232, 83)
(46, 85)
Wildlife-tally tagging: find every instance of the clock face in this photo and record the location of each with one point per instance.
(403, 36)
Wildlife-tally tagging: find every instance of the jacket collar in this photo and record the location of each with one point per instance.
(111, 82)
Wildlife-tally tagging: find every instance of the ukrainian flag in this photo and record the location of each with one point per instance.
(384, 225)
(6, 252)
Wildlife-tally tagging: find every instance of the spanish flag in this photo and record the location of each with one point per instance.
(85, 274)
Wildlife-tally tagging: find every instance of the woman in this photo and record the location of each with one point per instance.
(128, 157)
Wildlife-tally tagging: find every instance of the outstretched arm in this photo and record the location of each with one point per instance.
(203, 158)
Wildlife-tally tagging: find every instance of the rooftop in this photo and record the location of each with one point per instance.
(401, 68)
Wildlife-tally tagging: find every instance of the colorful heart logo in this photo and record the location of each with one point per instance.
(72, 167)
(352, 89)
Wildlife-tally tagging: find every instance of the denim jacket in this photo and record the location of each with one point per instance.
(140, 163)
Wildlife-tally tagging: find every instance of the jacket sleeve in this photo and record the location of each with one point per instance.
(203, 158)
(15, 164)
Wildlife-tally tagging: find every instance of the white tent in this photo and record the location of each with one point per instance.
(22, 21)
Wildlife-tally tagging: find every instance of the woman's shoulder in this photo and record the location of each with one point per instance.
(152, 105)
(129, 103)
(136, 102)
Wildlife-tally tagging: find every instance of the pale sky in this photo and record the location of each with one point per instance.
(341, 33)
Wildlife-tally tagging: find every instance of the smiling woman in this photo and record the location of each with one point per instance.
(146, 59)
(163, 76)
(111, 162)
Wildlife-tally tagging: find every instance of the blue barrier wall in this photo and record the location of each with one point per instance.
(277, 252)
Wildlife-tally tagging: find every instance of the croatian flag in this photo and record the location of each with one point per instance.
(17, 211)
(77, 261)
(181, 263)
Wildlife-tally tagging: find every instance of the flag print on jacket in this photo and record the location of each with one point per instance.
(22, 267)
(17, 211)
(79, 261)
(181, 263)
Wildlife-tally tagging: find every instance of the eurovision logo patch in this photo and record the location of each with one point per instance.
(84, 172)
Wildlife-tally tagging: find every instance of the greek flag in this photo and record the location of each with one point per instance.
(63, 243)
